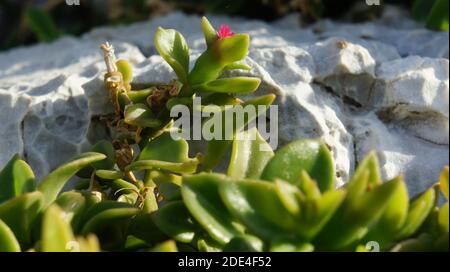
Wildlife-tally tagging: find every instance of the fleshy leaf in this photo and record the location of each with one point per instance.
(174, 220)
(52, 184)
(233, 48)
(73, 204)
(249, 155)
(19, 214)
(104, 147)
(126, 70)
(201, 196)
(240, 65)
(209, 32)
(16, 178)
(108, 217)
(443, 182)
(57, 235)
(165, 148)
(236, 85)
(351, 222)
(8, 242)
(172, 46)
(443, 218)
(109, 174)
(419, 210)
(438, 17)
(312, 156)
(188, 167)
(244, 243)
(371, 165)
(217, 148)
(256, 204)
(141, 116)
(393, 218)
(168, 246)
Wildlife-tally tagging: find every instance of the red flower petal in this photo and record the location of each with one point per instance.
(224, 32)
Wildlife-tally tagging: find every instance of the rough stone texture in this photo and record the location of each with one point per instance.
(381, 85)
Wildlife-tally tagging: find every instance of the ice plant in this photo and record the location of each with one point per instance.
(140, 190)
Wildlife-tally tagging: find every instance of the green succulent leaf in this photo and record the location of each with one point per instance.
(312, 156)
(289, 195)
(168, 246)
(201, 196)
(256, 204)
(165, 148)
(284, 245)
(420, 244)
(73, 204)
(438, 17)
(57, 234)
(8, 242)
(240, 65)
(232, 49)
(108, 217)
(109, 174)
(172, 46)
(222, 53)
(354, 217)
(371, 165)
(120, 186)
(244, 243)
(141, 116)
(419, 209)
(19, 214)
(443, 182)
(217, 148)
(206, 244)
(52, 184)
(16, 178)
(393, 218)
(126, 70)
(235, 85)
(143, 227)
(316, 213)
(249, 156)
(209, 32)
(443, 218)
(106, 148)
(421, 9)
(174, 220)
(188, 167)
(169, 185)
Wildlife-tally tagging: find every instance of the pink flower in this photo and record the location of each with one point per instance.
(224, 32)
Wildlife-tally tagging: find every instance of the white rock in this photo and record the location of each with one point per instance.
(399, 152)
(414, 92)
(344, 83)
(57, 89)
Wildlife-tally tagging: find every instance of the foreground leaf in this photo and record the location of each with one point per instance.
(52, 184)
(16, 178)
(256, 204)
(57, 235)
(311, 156)
(201, 196)
(172, 46)
(20, 213)
(249, 155)
(174, 220)
(8, 242)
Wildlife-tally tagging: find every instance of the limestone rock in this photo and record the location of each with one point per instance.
(379, 85)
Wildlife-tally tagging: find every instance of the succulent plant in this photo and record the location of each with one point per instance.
(141, 191)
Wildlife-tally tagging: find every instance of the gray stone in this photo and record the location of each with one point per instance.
(380, 85)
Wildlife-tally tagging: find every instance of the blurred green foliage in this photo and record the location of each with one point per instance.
(29, 21)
